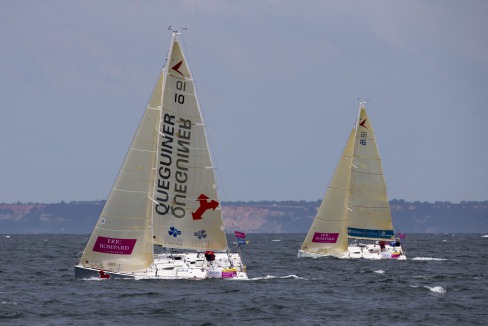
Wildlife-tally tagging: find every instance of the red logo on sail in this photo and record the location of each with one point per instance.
(362, 124)
(325, 237)
(204, 206)
(176, 67)
(114, 246)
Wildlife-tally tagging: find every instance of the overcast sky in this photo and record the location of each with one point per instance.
(278, 82)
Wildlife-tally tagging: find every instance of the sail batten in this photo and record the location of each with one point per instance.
(133, 191)
(370, 173)
(367, 207)
(142, 150)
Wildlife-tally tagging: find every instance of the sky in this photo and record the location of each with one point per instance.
(278, 83)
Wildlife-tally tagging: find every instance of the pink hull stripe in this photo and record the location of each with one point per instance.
(114, 246)
(228, 274)
(325, 237)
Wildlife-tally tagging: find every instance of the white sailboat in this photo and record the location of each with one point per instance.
(354, 219)
(163, 218)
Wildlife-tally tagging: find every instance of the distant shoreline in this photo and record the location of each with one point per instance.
(252, 217)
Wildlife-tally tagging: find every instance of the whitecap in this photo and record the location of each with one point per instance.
(270, 277)
(6, 302)
(436, 289)
(276, 240)
(428, 258)
(485, 236)
(7, 236)
(293, 276)
(93, 278)
(380, 271)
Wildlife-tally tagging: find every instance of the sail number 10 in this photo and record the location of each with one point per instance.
(181, 86)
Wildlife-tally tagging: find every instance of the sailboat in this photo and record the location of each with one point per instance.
(163, 218)
(354, 219)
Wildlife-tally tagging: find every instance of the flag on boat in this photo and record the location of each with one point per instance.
(241, 238)
(241, 242)
(402, 235)
(240, 235)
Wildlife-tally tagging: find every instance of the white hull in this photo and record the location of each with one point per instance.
(374, 251)
(170, 266)
(366, 251)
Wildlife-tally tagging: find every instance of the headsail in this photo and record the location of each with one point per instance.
(187, 212)
(369, 214)
(328, 233)
(122, 237)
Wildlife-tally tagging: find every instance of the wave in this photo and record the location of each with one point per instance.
(428, 258)
(485, 236)
(271, 277)
(9, 303)
(436, 289)
(93, 278)
(276, 240)
(380, 271)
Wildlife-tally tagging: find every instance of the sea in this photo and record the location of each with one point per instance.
(444, 281)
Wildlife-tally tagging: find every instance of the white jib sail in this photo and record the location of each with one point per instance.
(122, 238)
(188, 214)
(328, 233)
(369, 214)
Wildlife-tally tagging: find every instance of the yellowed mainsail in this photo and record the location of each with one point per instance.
(188, 214)
(355, 204)
(165, 192)
(369, 215)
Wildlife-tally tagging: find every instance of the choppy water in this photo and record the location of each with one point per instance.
(443, 282)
